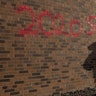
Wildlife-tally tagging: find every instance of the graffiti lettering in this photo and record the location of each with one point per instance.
(58, 31)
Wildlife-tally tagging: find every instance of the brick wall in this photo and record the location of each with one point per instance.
(41, 65)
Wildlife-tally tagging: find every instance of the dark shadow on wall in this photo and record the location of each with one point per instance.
(90, 62)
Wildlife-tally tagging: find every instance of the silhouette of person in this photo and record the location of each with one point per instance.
(90, 62)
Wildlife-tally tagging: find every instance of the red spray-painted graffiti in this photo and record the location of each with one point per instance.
(57, 31)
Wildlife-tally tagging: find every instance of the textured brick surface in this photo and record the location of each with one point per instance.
(41, 65)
